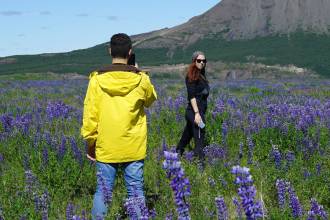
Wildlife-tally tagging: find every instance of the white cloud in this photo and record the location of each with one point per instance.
(112, 18)
(10, 13)
(45, 13)
(83, 15)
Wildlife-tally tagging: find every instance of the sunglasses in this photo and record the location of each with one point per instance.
(200, 60)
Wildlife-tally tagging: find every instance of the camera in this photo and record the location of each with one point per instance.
(131, 59)
(201, 125)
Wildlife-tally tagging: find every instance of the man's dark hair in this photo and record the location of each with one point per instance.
(120, 45)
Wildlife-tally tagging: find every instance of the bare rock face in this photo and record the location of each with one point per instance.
(244, 19)
(235, 74)
(8, 60)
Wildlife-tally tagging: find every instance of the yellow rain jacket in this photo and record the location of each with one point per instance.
(114, 114)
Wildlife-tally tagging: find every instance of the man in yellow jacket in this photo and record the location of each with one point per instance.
(114, 123)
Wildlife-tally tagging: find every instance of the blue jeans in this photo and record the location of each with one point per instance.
(106, 175)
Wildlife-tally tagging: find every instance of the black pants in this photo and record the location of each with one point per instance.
(192, 131)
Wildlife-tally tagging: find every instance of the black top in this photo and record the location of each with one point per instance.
(198, 89)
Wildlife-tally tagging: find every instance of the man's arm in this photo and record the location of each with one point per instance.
(90, 115)
(151, 94)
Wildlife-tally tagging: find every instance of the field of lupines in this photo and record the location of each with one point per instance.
(268, 153)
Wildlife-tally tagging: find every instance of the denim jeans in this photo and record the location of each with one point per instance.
(106, 175)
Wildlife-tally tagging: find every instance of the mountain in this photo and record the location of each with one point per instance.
(242, 19)
(266, 31)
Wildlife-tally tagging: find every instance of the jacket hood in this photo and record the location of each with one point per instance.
(119, 79)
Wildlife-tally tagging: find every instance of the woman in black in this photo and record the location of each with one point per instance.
(198, 91)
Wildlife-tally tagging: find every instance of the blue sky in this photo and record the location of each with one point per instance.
(46, 26)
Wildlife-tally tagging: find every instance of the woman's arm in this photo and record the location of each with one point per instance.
(191, 89)
(198, 117)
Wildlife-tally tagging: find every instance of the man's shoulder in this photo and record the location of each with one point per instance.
(118, 67)
(92, 74)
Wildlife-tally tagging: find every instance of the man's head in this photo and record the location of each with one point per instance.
(120, 46)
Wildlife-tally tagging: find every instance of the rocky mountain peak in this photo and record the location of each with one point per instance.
(244, 19)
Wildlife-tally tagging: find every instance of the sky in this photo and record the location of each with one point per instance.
(49, 26)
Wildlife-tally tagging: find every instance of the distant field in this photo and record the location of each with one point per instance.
(301, 49)
(278, 129)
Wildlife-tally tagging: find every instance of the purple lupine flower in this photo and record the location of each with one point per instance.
(250, 150)
(231, 102)
(169, 103)
(316, 210)
(62, 148)
(7, 122)
(31, 182)
(26, 162)
(164, 145)
(136, 208)
(247, 192)
(209, 213)
(223, 182)
(36, 139)
(307, 174)
(23, 123)
(178, 102)
(45, 157)
(84, 215)
(76, 152)
(152, 213)
(43, 202)
(296, 208)
(253, 122)
(200, 166)
(222, 208)
(48, 138)
(169, 216)
(224, 131)
(71, 215)
(219, 107)
(239, 208)
(69, 211)
(58, 109)
(106, 191)
(178, 182)
(164, 148)
(290, 157)
(211, 181)
(189, 156)
(214, 153)
(1, 158)
(318, 169)
(276, 155)
(281, 190)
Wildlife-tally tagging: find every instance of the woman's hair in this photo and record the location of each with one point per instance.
(194, 74)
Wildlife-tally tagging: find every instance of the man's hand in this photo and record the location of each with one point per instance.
(90, 158)
(91, 151)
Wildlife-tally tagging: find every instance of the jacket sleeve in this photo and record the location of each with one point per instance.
(150, 95)
(191, 89)
(91, 112)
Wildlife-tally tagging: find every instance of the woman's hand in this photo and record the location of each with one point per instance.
(198, 118)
